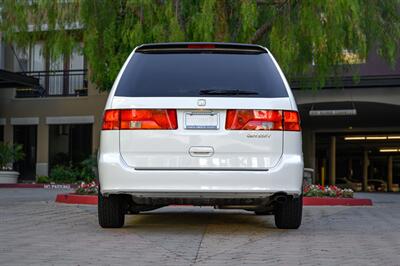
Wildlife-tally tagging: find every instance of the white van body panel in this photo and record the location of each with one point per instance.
(117, 177)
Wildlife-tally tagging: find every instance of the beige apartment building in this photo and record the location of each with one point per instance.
(51, 108)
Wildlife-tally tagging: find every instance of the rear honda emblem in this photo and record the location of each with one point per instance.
(201, 102)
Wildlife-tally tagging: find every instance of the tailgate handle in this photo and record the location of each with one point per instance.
(201, 151)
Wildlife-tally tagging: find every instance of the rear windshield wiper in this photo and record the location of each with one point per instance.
(228, 92)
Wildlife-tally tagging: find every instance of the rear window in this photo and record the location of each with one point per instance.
(192, 74)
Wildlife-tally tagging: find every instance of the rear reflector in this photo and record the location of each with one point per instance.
(262, 120)
(136, 119)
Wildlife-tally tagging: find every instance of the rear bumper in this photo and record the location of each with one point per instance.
(118, 178)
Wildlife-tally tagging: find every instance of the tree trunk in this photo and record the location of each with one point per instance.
(260, 32)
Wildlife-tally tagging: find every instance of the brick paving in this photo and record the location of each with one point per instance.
(36, 231)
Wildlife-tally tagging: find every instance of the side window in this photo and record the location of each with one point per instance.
(76, 66)
(56, 79)
(29, 58)
(37, 58)
(21, 59)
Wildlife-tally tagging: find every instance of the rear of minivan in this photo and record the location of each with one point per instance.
(202, 124)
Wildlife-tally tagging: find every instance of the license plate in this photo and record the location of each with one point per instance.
(201, 120)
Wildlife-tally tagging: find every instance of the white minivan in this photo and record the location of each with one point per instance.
(204, 124)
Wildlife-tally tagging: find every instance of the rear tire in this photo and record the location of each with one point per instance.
(111, 211)
(288, 214)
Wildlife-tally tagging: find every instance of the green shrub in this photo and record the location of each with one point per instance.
(43, 179)
(9, 154)
(88, 168)
(83, 172)
(64, 174)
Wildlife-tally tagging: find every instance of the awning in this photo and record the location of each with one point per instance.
(349, 82)
(10, 79)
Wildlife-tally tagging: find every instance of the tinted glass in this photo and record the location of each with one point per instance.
(186, 74)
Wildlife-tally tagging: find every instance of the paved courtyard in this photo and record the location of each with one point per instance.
(36, 231)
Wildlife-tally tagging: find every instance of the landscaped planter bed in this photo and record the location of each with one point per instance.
(325, 201)
(72, 198)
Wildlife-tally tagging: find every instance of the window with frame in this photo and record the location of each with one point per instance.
(62, 76)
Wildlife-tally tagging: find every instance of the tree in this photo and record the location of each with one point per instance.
(308, 37)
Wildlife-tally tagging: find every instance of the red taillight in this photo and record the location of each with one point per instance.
(148, 119)
(291, 121)
(111, 120)
(135, 119)
(254, 120)
(201, 46)
(262, 120)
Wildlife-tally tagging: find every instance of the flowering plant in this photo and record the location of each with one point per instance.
(329, 191)
(87, 188)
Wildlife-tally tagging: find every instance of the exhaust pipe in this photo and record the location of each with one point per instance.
(280, 198)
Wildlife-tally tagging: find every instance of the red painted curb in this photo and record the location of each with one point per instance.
(319, 201)
(72, 198)
(47, 186)
(21, 185)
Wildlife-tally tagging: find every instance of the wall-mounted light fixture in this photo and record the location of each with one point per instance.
(354, 138)
(341, 112)
(393, 137)
(389, 150)
(376, 137)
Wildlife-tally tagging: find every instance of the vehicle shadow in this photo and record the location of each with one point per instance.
(178, 218)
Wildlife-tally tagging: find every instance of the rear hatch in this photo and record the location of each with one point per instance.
(211, 108)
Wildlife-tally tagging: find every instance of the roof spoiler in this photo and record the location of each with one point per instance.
(200, 47)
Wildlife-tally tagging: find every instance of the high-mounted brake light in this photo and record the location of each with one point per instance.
(201, 46)
(136, 119)
(262, 120)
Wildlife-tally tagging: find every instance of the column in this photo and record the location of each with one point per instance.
(323, 172)
(350, 169)
(309, 148)
(332, 162)
(390, 174)
(96, 129)
(365, 170)
(8, 132)
(42, 161)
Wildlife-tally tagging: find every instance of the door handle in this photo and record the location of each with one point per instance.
(201, 151)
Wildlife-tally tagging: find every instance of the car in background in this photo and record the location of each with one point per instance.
(377, 185)
(346, 183)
